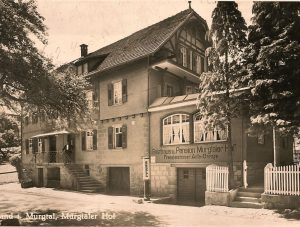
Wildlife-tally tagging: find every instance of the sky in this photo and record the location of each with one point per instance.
(98, 23)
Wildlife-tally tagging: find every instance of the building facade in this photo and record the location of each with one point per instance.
(144, 106)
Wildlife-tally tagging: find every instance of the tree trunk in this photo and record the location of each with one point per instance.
(229, 138)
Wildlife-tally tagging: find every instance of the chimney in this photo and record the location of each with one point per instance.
(84, 50)
(190, 6)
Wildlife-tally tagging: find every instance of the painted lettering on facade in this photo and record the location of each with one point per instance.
(216, 152)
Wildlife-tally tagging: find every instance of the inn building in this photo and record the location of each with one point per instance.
(143, 101)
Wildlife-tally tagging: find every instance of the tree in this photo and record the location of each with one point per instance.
(26, 76)
(217, 102)
(273, 58)
(9, 135)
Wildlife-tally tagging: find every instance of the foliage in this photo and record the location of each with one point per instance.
(273, 58)
(218, 102)
(9, 135)
(228, 33)
(26, 76)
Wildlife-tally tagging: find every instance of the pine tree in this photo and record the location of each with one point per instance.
(217, 104)
(26, 76)
(274, 63)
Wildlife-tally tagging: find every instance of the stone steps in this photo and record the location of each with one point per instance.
(253, 205)
(248, 198)
(85, 182)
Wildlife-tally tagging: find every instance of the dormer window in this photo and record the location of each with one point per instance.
(82, 69)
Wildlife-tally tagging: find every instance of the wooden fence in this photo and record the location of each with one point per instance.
(217, 178)
(282, 180)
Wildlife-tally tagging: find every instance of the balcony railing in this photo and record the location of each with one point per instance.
(52, 157)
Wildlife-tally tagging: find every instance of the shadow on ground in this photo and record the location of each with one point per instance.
(121, 218)
(289, 214)
(171, 201)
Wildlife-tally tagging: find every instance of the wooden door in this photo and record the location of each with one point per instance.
(40, 182)
(119, 181)
(186, 184)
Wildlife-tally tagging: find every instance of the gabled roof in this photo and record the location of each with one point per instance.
(141, 43)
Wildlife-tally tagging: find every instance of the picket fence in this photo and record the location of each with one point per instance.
(282, 180)
(217, 178)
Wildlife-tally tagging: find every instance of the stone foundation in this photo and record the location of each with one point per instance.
(220, 198)
(280, 201)
(163, 180)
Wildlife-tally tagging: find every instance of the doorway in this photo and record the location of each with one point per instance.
(52, 149)
(40, 182)
(119, 181)
(191, 184)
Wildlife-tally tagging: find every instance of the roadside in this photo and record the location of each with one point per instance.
(126, 211)
(8, 173)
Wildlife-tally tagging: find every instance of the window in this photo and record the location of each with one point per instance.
(117, 92)
(203, 135)
(85, 68)
(198, 64)
(169, 91)
(183, 57)
(30, 145)
(40, 145)
(188, 90)
(185, 174)
(35, 118)
(117, 136)
(89, 140)
(191, 60)
(176, 129)
(79, 69)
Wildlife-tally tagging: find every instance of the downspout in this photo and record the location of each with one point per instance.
(147, 183)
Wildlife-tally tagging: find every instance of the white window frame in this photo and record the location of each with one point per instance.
(89, 140)
(184, 57)
(40, 144)
(117, 130)
(168, 125)
(207, 135)
(117, 93)
(198, 64)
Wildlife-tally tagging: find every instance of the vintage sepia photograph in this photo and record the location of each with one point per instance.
(149, 113)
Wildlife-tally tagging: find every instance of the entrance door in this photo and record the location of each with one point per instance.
(119, 182)
(52, 149)
(40, 177)
(191, 184)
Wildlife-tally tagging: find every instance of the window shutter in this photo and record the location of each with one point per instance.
(124, 136)
(110, 94)
(27, 146)
(83, 140)
(191, 129)
(110, 137)
(35, 145)
(95, 139)
(124, 90)
(43, 144)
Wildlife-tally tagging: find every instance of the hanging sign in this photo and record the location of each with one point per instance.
(146, 168)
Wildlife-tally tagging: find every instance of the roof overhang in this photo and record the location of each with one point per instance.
(172, 67)
(51, 134)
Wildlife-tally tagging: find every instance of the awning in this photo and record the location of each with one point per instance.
(175, 69)
(52, 133)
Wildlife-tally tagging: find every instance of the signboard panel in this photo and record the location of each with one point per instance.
(146, 168)
(193, 153)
